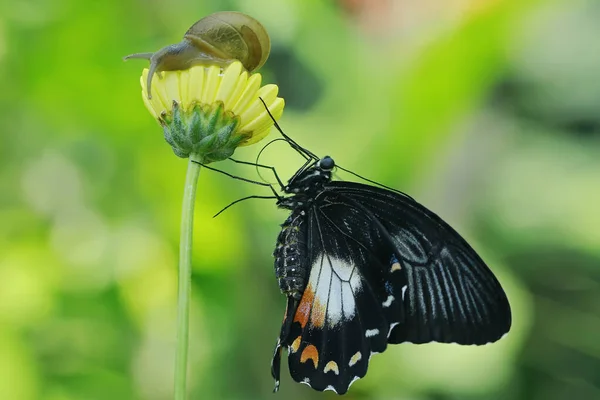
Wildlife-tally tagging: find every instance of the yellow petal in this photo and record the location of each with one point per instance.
(155, 103)
(196, 82)
(143, 81)
(237, 91)
(171, 85)
(211, 84)
(229, 82)
(261, 125)
(148, 103)
(184, 86)
(160, 96)
(248, 95)
(268, 93)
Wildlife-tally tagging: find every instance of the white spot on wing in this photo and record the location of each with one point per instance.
(403, 291)
(356, 282)
(388, 301)
(314, 273)
(371, 332)
(331, 366)
(392, 327)
(335, 281)
(342, 268)
(322, 288)
(352, 381)
(348, 303)
(334, 307)
(306, 381)
(395, 267)
(355, 358)
(331, 388)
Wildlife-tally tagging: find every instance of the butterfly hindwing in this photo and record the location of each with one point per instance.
(344, 315)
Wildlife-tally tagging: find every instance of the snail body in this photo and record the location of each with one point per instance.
(220, 39)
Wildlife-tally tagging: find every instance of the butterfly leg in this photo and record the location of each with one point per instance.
(279, 181)
(275, 194)
(240, 200)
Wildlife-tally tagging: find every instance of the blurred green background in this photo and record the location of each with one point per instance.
(486, 111)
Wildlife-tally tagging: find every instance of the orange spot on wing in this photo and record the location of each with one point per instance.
(295, 344)
(304, 307)
(310, 352)
(317, 317)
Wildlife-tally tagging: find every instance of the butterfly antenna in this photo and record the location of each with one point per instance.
(374, 182)
(288, 139)
(242, 199)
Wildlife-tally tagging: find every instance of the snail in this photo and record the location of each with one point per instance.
(219, 38)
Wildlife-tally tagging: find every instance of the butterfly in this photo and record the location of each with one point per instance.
(364, 266)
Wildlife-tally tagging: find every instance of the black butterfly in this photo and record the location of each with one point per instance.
(364, 266)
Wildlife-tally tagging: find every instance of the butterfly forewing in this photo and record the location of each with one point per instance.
(451, 296)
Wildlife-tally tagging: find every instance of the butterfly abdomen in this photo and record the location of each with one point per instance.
(290, 257)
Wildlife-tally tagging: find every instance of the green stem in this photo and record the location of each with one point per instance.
(185, 278)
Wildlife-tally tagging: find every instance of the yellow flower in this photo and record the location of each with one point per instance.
(208, 110)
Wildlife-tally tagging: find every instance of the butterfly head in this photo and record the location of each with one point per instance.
(307, 183)
(326, 164)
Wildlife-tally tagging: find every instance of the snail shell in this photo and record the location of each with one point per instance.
(219, 38)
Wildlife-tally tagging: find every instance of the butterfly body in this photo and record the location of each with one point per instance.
(290, 269)
(362, 267)
(290, 251)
